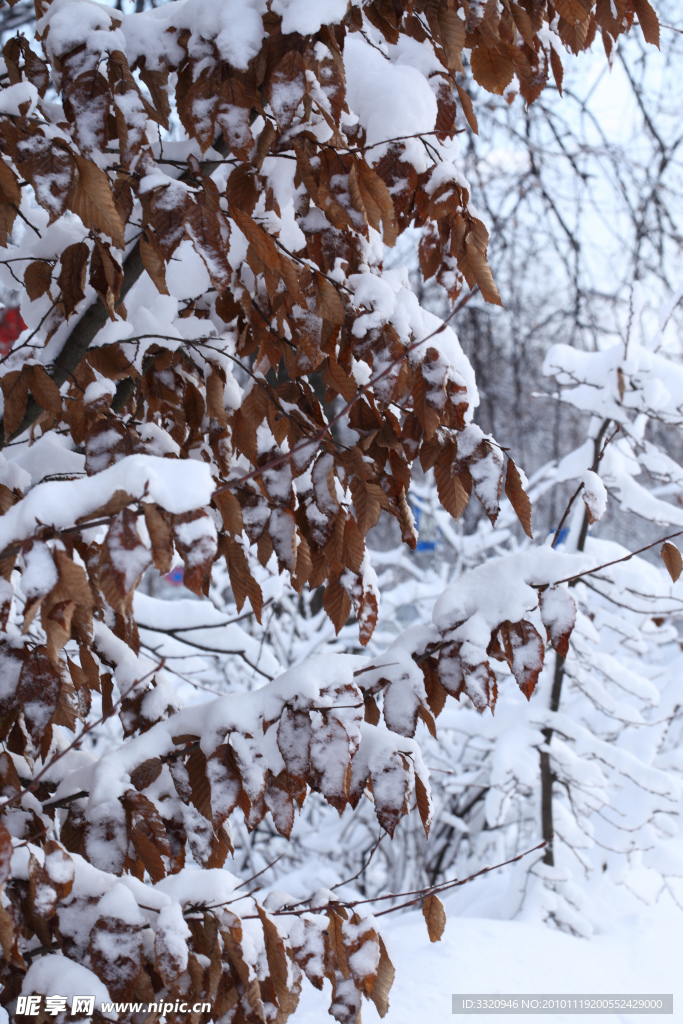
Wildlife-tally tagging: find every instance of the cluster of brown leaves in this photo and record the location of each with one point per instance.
(297, 321)
(214, 951)
(306, 497)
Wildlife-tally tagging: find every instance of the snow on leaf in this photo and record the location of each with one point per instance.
(116, 942)
(195, 539)
(558, 614)
(519, 644)
(171, 951)
(594, 495)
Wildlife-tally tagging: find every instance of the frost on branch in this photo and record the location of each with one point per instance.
(217, 370)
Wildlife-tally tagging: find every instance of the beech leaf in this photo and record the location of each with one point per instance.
(672, 560)
(435, 916)
(518, 497)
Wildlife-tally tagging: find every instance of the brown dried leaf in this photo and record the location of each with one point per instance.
(41, 891)
(521, 646)
(648, 20)
(518, 497)
(153, 262)
(452, 36)
(7, 937)
(146, 773)
(435, 916)
(492, 67)
(92, 200)
(71, 278)
(38, 692)
(209, 229)
(170, 956)
(116, 953)
(558, 70)
(573, 11)
(377, 201)
(452, 492)
(124, 560)
(37, 279)
(15, 391)
(195, 539)
(242, 187)
(336, 941)
(337, 604)
(60, 868)
(215, 406)
(147, 832)
(468, 109)
(262, 242)
(423, 804)
(44, 389)
(672, 560)
(474, 265)
(276, 956)
(106, 276)
(383, 981)
(328, 304)
(242, 582)
(5, 853)
(160, 535)
(294, 741)
(10, 201)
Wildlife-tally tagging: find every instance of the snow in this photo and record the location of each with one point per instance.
(178, 486)
(594, 494)
(15, 97)
(119, 905)
(637, 954)
(210, 886)
(236, 26)
(500, 590)
(391, 100)
(39, 571)
(174, 930)
(74, 22)
(306, 18)
(58, 975)
(198, 624)
(186, 274)
(51, 454)
(389, 299)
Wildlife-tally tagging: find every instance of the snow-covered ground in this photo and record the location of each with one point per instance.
(639, 954)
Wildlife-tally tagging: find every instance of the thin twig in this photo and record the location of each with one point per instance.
(605, 565)
(577, 492)
(419, 894)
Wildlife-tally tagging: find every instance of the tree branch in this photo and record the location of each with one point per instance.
(90, 324)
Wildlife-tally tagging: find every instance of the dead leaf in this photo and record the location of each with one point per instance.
(435, 916)
(492, 67)
(92, 200)
(518, 497)
(672, 560)
(37, 279)
(648, 20)
(71, 278)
